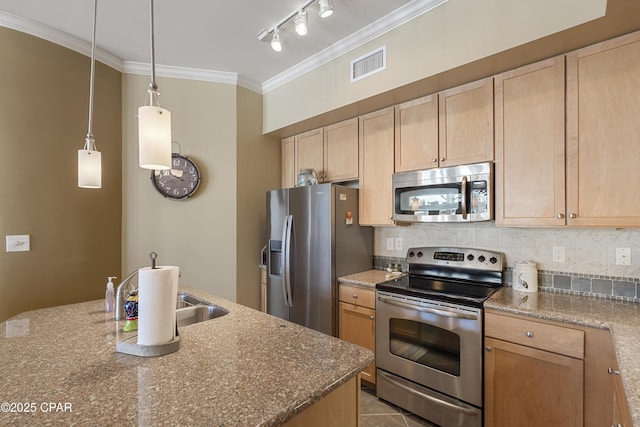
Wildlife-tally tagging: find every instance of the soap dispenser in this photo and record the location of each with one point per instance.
(109, 297)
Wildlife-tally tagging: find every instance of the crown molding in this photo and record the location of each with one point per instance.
(131, 67)
(368, 33)
(58, 37)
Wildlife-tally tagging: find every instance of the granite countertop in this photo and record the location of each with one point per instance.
(369, 279)
(246, 368)
(621, 318)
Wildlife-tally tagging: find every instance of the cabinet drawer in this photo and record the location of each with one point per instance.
(358, 296)
(556, 339)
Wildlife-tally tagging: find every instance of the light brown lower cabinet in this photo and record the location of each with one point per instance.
(545, 373)
(357, 322)
(340, 408)
(526, 386)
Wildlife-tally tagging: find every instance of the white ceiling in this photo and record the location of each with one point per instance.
(209, 35)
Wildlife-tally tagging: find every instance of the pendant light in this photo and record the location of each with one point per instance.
(89, 158)
(154, 124)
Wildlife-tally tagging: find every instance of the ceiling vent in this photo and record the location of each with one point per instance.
(369, 64)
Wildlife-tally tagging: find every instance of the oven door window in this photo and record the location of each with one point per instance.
(425, 344)
(444, 199)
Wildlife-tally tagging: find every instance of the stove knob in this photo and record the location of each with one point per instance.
(411, 254)
(481, 258)
(493, 260)
(420, 254)
(470, 257)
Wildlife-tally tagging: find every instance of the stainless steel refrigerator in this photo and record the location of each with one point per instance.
(314, 238)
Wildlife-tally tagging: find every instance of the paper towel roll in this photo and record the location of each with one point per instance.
(157, 294)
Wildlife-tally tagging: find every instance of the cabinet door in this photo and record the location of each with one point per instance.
(529, 140)
(525, 386)
(376, 167)
(310, 152)
(466, 123)
(358, 326)
(416, 127)
(288, 163)
(341, 151)
(603, 134)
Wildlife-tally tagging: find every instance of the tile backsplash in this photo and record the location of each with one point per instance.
(590, 254)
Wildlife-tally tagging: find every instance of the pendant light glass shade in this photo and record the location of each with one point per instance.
(89, 158)
(89, 166)
(154, 137)
(154, 124)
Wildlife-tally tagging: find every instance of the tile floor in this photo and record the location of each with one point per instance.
(378, 413)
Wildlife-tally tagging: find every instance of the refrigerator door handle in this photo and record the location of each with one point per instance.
(286, 243)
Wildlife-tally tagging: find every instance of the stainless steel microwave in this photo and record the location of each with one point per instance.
(456, 194)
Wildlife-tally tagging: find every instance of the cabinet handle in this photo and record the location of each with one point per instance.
(560, 216)
(572, 215)
(612, 371)
(442, 159)
(371, 317)
(529, 334)
(488, 348)
(434, 160)
(355, 295)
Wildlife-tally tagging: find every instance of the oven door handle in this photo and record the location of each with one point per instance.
(439, 312)
(463, 191)
(435, 400)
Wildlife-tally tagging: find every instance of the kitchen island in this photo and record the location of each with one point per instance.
(246, 368)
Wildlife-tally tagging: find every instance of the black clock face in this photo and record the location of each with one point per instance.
(179, 182)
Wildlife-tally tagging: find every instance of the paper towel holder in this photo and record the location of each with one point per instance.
(153, 257)
(130, 346)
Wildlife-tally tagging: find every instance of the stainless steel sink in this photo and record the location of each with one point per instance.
(190, 310)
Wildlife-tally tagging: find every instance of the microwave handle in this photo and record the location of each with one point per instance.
(464, 197)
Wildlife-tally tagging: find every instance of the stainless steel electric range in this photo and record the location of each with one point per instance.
(429, 333)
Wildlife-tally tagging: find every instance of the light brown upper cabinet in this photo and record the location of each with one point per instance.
(289, 172)
(341, 151)
(529, 141)
(603, 134)
(416, 127)
(310, 152)
(376, 167)
(466, 124)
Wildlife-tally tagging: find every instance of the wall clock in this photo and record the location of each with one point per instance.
(179, 182)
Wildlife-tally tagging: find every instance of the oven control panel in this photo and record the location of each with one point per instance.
(478, 259)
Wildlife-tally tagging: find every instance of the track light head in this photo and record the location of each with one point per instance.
(326, 8)
(301, 22)
(275, 41)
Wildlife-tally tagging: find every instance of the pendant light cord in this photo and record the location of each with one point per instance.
(90, 143)
(153, 87)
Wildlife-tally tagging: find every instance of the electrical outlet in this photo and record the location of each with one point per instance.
(623, 256)
(389, 243)
(558, 254)
(398, 243)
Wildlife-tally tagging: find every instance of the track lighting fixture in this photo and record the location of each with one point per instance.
(275, 41)
(300, 22)
(326, 8)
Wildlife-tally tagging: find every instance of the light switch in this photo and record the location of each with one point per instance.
(18, 243)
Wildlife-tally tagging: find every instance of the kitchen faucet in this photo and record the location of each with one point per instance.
(121, 295)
